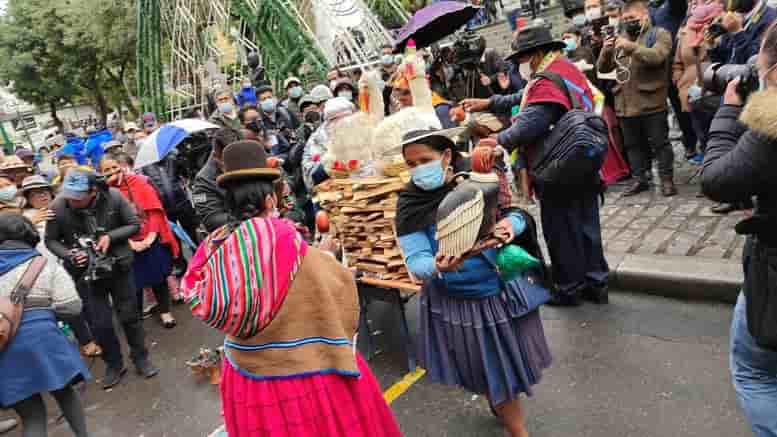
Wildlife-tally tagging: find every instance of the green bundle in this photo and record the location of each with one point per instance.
(512, 261)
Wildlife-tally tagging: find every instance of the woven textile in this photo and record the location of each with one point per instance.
(238, 280)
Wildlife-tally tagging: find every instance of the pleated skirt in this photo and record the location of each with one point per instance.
(481, 345)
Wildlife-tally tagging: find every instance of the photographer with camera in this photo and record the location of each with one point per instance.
(207, 196)
(90, 232)
(736, 36)
(740, 161)
(640, 56)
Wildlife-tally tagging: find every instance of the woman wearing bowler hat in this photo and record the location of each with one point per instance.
(290, 313)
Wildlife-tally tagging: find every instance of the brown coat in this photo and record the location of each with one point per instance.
(684, 73)
(646, 90)
(321, 302)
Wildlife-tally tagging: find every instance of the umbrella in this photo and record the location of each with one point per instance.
(166, 138)
(435, 22)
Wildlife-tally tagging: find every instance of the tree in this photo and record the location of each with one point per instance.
(35, 58)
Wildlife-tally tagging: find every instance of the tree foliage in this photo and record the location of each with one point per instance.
(73, 50)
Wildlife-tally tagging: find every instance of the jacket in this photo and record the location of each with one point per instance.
(647, 88)
(742, 153)
(110, 212)
(208, 197)
(738, 48)
(292, 107)
(670, 15)
(222, 120)
(165, 177)
(684, 73)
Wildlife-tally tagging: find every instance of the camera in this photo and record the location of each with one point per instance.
(468, 49)
(717, 77)
(192, 154)
(99, 265)
(609, 31)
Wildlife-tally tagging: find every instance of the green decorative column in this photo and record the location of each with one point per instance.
(150, 84)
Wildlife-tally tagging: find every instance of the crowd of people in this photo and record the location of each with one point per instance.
(102, 238)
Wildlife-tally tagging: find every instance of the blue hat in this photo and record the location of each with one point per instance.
(77, 185)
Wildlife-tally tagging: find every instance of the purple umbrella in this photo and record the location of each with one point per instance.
(435, 22)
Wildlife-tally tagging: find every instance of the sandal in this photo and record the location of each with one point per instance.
(91, 349)
(168, 321)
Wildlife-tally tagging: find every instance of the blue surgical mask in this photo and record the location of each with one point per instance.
(295, 92)
(579, 20)
(387, 60)
(268, 105)
(7, 194)
(226, 107)
(429, 176)
(571, 44)
(346, 95)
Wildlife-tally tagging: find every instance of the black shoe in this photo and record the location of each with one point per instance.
(564, 300)
(113, 377)
(597, 295)
(146, 369)
(639, 187)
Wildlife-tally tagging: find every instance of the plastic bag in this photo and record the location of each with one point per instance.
(512, 261)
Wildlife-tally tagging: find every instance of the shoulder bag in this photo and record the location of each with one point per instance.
(12, 307)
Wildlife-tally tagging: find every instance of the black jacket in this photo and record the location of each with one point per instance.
(741, 153)
(208, 197)
(110, 211)
(165, 177)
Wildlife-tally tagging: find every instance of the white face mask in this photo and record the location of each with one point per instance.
(525, 71)
(614, 22)
(579, 20)
(593, 14)
(762, 83)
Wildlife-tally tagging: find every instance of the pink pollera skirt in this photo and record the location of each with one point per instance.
(311, 406)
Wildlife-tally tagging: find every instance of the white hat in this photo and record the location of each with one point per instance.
(337, 108)
(130, 126)
(290, 81)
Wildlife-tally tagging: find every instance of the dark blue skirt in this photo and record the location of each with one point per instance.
(482, 345)
(152, 266)
(39, 359)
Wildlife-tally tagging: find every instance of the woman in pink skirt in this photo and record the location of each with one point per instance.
(290, 313)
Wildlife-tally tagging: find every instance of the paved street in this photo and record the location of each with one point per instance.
(642, 366)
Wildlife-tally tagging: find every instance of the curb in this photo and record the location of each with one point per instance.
(680, 277)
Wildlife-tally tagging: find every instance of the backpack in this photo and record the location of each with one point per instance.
(12, 307)
(571, 156)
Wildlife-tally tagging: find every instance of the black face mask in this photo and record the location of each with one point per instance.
(743, 6)
(312, 117)
(255, 126)
(633, 28)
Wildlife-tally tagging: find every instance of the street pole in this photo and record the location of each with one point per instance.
(7, 144)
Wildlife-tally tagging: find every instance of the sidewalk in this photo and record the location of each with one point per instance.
(671, 246)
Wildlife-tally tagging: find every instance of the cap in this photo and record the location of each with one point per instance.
(34, 182)
(321, 93)
(25, 153)
(290, 81)
(77, 185)
(130, 126)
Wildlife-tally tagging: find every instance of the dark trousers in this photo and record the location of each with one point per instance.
(683, 119)
(573, 234)
(162, 294)
(702, 121)
(121, 290)
(643, 135)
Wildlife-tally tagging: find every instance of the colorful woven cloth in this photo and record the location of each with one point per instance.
(238, 280)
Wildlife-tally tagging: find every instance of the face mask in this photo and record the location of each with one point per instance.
(8, 193)
(268, 105)
(429, 176)
(254, 126)
(614, 22)
(571, 44)
(387, 60)
(743, 6)
(762, 84)
(226, 107)
(295, 92)
(593, 14)
(633, 28)
(312, 117)
(247, 85)
(525, 71)
(346, 95)
(578, 20)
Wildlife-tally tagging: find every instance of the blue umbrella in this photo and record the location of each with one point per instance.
(159, 144)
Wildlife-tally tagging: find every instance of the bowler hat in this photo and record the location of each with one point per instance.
(246, 160)
(535, 35)
(34, 182)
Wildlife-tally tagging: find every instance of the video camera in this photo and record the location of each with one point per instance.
(192, 154)
(99, 265)
(717, 77)
(468, 49)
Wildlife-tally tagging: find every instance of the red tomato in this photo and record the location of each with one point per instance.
(322, 222)
(482, 159)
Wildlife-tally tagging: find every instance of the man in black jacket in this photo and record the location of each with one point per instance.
(207, 195)
(88, 209)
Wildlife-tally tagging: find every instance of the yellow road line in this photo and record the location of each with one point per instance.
(403, 385)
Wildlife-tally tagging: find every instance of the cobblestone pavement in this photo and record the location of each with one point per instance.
(683, 225)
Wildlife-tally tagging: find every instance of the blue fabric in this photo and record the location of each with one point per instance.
(12, 258)
(182, 235)
(476, 279)
(531, 124)
(94, 146)
(152, 266)
(75, 148)
(168, 138)
(319, 175)
(51, 362)
(670, 16)
(246, 96)
(754, 373)
(281, 149)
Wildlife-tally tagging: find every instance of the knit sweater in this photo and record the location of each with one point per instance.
(54, 288)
